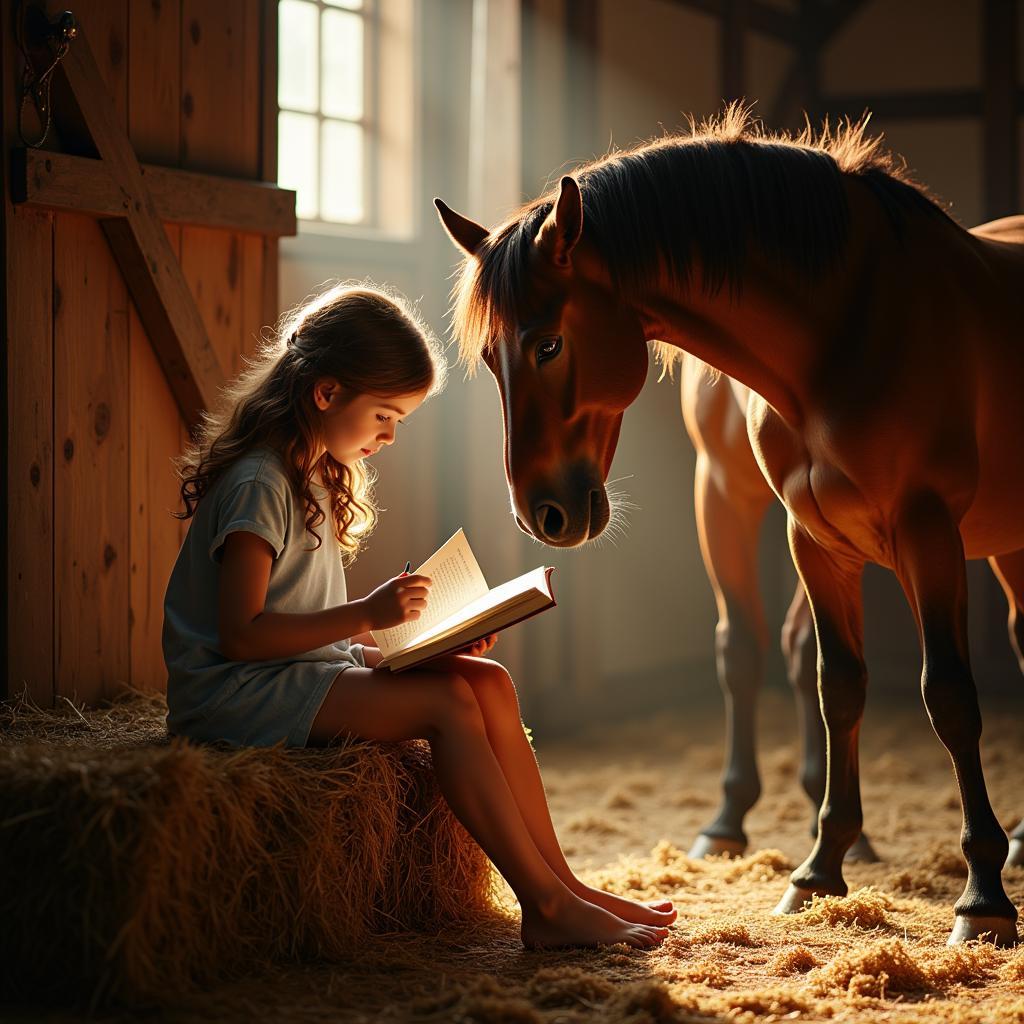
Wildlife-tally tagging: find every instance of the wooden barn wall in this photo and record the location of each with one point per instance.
(91, 423)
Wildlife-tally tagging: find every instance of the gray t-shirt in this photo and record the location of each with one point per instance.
(263, 702)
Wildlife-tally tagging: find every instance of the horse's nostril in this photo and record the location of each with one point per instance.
(550, 520)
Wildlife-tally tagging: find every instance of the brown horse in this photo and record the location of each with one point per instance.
(731, 497)
(881, 345)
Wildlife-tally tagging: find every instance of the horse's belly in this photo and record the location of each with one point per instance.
(994, 524)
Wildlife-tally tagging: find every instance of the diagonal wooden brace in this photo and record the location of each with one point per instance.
(137, 238)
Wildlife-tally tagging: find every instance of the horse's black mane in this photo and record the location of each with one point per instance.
(712, 193)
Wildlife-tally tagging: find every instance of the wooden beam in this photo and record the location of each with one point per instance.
(761, 17)
(78, 184)
(711, 7)
(816, 28)
(952, 103)
(807, 65)
(770, 21)
(137, 237)
(732, 49)
(999, 107)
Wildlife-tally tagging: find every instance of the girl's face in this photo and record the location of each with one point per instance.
(358, 426)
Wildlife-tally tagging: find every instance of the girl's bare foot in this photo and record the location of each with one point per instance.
(573, 921)
(657, 912)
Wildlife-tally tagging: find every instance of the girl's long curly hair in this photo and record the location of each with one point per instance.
(370, 342)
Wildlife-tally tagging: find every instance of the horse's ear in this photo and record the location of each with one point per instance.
(465, 233)
(563, 226)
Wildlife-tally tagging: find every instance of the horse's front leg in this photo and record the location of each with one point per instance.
(930, 564)
(800, 649)
(728, 527)
(833, 590)
(1009, 570)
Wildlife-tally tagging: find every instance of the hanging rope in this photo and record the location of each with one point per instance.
(37, 85)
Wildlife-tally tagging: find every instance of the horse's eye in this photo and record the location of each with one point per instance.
(549, 348)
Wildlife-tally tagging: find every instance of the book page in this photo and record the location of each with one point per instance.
(509, 593)
(457, 581)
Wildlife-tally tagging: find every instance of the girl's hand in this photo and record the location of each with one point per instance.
(401, 599)
(480, 648)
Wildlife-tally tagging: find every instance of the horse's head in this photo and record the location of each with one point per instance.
(568, 357)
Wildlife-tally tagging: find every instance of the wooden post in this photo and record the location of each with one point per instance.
(268, 150)
(999, 59)
(816, 27)
(732, 49)
(807, 62)
(26, 417)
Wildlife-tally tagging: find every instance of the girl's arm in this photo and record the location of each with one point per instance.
(248, 633)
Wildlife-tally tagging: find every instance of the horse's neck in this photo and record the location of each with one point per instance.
(764, 337)
(774, 333)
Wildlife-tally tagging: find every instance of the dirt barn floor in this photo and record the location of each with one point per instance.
(627, 802)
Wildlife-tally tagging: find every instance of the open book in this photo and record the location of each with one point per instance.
(461, 608)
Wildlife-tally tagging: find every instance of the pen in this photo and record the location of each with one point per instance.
(408, 566)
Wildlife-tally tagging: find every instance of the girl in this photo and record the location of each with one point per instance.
(263, 645)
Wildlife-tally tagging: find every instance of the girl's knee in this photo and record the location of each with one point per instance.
(456, 705)
(490, 680)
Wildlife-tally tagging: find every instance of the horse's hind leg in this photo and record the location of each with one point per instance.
(930, 565)
(1009, 570)
(800, 648)
(729, 528)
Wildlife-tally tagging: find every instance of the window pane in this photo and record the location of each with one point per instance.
(297, 53)
(342, 71)
(342, 197)
(297, 160)
(352, 5)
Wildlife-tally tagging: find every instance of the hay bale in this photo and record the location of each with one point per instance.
(139, 870)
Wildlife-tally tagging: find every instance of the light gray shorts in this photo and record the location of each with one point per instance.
(275, 706)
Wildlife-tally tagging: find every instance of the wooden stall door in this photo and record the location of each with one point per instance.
(93, 426)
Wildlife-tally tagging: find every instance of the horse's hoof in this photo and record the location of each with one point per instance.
(711, 846)
(794, 900)
(1015, 858)
(862, 852)
(1000, 930)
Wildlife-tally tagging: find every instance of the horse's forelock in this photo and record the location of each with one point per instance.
(490, 285)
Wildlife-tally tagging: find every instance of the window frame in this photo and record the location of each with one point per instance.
(368, 123)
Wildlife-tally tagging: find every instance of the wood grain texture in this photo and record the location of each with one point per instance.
(212, 264)
(139, 242)
(29, 539)
(156, 425)
(253, 321)
(154, 42)
(78, 184)
(156, 439)
(91, 557)
(219, 103)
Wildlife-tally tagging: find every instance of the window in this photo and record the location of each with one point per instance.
(326, 90)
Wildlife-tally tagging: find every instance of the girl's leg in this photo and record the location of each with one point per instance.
(441, 707)
(496, 695)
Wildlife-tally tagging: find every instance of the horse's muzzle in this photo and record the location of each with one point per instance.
(556, 526)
